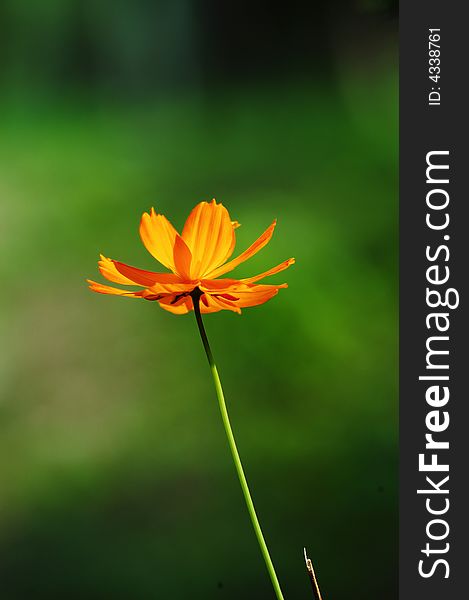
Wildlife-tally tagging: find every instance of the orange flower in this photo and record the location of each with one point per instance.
(196, 259)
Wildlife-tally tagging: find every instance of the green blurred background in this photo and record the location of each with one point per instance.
(116, 480)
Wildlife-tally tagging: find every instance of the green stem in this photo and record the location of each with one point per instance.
(234, 451)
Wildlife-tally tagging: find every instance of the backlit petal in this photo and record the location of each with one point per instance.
(212, 304)
(273, 271)
(107, 289)
(262, 241)
(171, 288)
(180, 307)
(257, 296)
(108, 270)
(239, 295)
(182, 258)
(121, 273)
(208, 306)
(218, 284)
(158, 236)
(209, 233)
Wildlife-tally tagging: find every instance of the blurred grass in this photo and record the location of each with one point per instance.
(117, 481)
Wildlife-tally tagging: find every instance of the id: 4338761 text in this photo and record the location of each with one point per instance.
(434, 66)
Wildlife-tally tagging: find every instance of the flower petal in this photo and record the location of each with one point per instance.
(215, 304)
(207, 306)
(170, 289)
(281, 267)
(182, 258)
(209, 233)
(107, 289)
(180, 307)
(108, 270)
(262, 241)
(227, 282)
(158, 237)
(238, 295)
(257, 295)
(119, 272)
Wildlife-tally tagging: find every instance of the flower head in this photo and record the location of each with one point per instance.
(196, 259)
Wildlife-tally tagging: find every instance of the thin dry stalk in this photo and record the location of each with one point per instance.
(312, 577)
